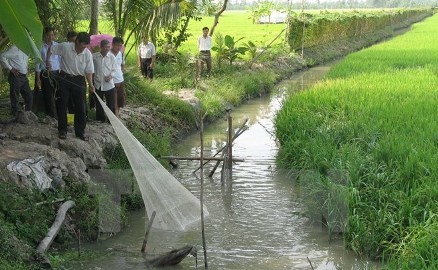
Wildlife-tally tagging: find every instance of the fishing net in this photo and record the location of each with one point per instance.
(176, 208)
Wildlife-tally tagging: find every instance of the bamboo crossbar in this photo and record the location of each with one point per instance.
(198, 158)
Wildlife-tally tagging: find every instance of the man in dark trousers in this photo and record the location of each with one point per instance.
(76, 66)
(146, 58)
(17, 62)
(118, 77)
(44, 79)
(104, 71)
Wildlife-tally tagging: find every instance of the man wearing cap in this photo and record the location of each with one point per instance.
(17, 62)
(76, 68)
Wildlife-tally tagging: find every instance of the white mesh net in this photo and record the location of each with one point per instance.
(176, 208)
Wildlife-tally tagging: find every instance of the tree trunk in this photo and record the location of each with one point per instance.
(182, 32)
(94, 17)
(53, 232)
(216, 17)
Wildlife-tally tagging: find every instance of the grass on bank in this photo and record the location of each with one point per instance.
(373, 122)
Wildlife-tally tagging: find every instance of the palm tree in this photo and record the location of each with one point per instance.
(134, 18)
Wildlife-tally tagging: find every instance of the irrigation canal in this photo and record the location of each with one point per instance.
(256, 222)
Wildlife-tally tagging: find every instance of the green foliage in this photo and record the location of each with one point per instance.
(18, 207)
(251, 48)
(373, 120)
(219, 48)
(84, 213)
(175, 34)
(208, 8)
(64, 15)
(262, 8)
(173, 110)
(306, 29)
(227, 48)
(19, 20)
(225, 91)
(131, 19)
(233, 52)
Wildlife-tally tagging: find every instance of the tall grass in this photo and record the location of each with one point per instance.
(374, 120)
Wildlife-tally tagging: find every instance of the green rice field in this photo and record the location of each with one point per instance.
(374, 122)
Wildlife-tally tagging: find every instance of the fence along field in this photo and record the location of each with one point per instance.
(375, 120)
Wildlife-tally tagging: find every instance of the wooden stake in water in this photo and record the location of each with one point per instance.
(146, 236)
(204, 245)
(230, 144)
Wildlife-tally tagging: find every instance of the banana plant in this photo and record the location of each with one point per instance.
(233, 52)
(20, 22)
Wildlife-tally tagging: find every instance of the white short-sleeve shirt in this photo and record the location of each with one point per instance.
(104, 66)
(146, 50)
(15, 58)
(72, 62)
(118, 76)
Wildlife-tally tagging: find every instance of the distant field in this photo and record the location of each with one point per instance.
(234, 23)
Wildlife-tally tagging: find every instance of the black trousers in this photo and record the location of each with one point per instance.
(110, 98)
(19, 85)
(48, 86)
(146, 69)
(71, 87)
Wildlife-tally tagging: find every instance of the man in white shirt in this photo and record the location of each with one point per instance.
(76, 66)
(119, 81)
(204, 46)
(146, 58)
(104, 71)
(16, 61)
(44, 79)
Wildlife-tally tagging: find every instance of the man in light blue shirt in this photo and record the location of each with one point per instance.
(44, 79)
(16, 61)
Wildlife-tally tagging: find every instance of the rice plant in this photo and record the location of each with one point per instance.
(374, 118)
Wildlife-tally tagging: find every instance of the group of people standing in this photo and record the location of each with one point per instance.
(69, 66)
(63, 76)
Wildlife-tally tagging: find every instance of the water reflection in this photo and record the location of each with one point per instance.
(257, 220)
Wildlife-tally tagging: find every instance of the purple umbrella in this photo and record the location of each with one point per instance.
(95, 40)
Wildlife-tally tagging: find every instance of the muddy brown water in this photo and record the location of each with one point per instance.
(257, 221)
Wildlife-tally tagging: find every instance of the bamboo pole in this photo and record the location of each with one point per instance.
(146, 236)
(203, 158)
(204, 245)
(239, 132)
(216, 165)
(230, 143)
